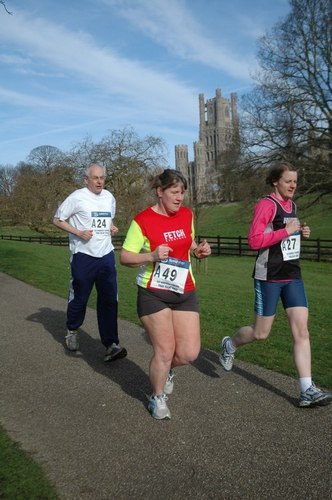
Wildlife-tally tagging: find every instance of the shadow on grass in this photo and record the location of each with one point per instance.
(208, 363)
(124, 372)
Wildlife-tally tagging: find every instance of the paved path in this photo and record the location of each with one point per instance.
(235, 435)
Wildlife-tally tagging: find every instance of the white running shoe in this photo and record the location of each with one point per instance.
(158, 407)
(226, 358)
(169, 384)
(72, 340)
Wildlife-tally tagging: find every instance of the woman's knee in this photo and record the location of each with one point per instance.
(164, 356)
(261, 334)
(301, 335)
(188, 356)
(262, 327)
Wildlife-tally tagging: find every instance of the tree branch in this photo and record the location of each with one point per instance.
(3, 3)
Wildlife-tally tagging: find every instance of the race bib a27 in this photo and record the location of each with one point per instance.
(291, 247)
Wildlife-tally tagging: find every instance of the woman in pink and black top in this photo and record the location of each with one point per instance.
(276, 233)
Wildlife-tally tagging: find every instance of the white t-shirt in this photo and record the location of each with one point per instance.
(84, 209)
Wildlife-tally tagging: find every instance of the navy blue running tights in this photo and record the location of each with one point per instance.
(87, 271)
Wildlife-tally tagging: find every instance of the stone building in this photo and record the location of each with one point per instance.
(218, 134)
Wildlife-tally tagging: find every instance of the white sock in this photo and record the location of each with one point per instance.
(305, 383)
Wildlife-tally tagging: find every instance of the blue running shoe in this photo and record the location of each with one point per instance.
(314, 397)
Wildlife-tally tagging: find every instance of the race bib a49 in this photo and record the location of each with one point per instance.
(170, 274)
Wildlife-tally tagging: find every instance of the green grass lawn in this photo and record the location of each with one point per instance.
(21, 478)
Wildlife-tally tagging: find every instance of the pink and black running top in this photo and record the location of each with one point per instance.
(278, 253)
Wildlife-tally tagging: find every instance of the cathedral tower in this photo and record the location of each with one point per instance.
(218, 133)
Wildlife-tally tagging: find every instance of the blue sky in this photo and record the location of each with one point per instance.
(78, 68)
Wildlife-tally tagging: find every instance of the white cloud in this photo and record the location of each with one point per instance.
(26, 100)
(14, 60)
(171, 24)
(80, 57)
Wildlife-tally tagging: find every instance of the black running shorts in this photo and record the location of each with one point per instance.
(151, 301)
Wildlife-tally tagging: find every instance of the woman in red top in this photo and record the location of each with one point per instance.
(160, 240)
(276, 233)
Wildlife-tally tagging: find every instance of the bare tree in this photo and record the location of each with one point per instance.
(7, 180)
(45, 158)
(289, 113)
(7, 183)
(49, 175)
(36, 195)
(228, 167)
(129, 161)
